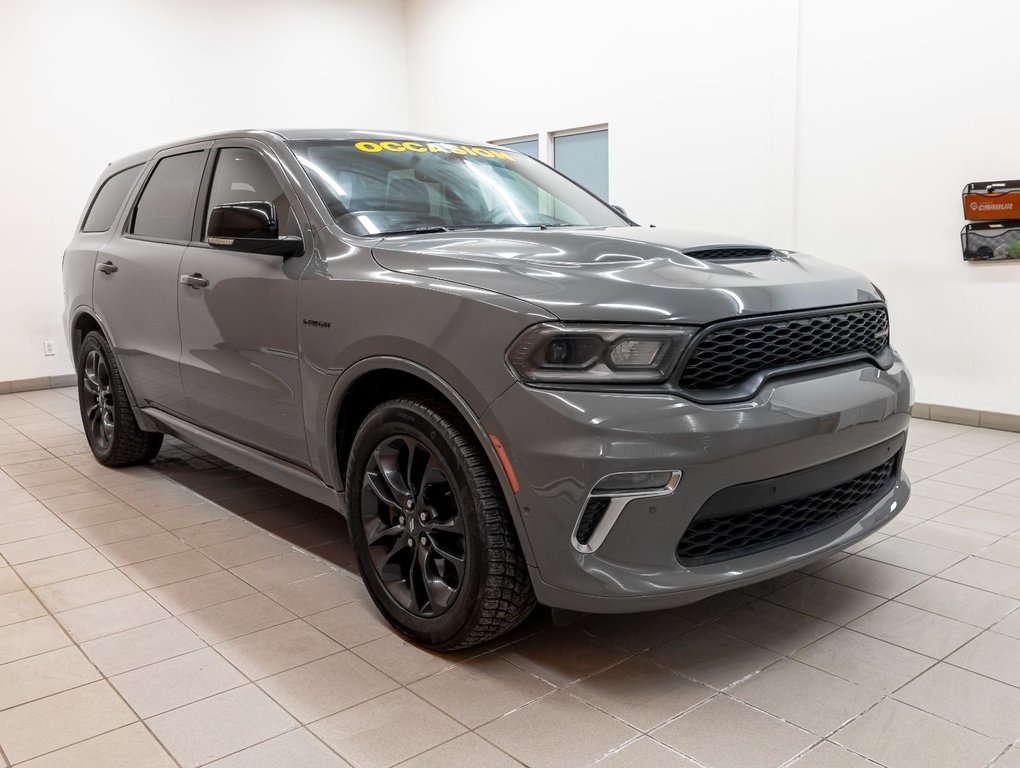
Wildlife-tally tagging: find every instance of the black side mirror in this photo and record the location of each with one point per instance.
(251, 227)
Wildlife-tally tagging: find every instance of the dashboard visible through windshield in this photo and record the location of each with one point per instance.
(385, 187)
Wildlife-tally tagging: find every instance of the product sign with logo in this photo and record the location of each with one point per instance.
(994, 207)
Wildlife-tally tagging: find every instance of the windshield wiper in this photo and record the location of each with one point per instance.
(479, 227)
(416, 231)
(511, 226)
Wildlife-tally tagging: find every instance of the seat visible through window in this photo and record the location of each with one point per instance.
(242, 176)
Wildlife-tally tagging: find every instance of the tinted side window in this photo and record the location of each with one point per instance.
(243, 176)
(108, 200)
(167, 205)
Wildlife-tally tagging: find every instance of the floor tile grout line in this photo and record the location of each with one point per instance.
(344, 649)
(913, 650)
(715, 692)
(558, 688)
(890, 695)
(983, 676)
(615, 750)
(706, 623)
(207, 645)
(103, 676)
(91, 544)
(790, 657)
(109, 684)
(307, 726)
(967, 428)
(248, 681)
(637, 738)
(298, 727)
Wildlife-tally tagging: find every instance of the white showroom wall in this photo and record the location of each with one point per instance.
(699, 97)
(84, 83)
(843, 129)
(899, 107)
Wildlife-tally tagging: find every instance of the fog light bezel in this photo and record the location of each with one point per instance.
(619, 499)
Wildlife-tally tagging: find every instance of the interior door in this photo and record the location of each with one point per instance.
(137, 272)
(238, 316)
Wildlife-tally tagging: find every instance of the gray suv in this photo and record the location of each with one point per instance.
(512, 391)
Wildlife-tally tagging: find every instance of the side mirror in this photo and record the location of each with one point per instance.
(251, 227)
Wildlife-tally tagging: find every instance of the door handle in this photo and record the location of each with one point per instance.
(107, 267)
(194, 281)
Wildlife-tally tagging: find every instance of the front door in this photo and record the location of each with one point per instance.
(238, 316)
(137, 272)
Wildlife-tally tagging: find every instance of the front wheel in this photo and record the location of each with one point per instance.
(431, 531)
(106, 414)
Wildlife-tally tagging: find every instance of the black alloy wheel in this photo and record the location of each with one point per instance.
(413, 526)
(106, 414)
(431, 530)
(97, 399)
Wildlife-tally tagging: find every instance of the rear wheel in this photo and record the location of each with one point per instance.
(430, 528)
(106, 414)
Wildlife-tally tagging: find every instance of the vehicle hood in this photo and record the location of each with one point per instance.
(625, 274)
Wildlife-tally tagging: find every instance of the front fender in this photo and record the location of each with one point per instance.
(326, 455)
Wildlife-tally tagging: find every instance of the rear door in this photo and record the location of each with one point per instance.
(137, 272)
(239, 359)
(97, 227)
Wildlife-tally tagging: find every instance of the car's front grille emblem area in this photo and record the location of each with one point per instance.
(728, 355)
(712, 539)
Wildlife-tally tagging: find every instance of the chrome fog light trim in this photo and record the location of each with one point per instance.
(617, 501)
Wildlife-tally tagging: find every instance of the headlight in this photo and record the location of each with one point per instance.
(592, 354)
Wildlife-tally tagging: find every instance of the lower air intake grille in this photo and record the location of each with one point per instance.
(594, 511)
(730, 354)
(729, 254)
(713, 539)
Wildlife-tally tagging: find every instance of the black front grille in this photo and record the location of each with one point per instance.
(728, 355)
(594, 511)
(713, 539)
(730, 254)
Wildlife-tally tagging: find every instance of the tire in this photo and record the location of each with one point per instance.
(430, 528)
(106, 414)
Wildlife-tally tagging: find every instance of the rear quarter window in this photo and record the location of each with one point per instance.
(108, 200)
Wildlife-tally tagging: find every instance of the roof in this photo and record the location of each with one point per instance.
(294, 134)
(340, 134)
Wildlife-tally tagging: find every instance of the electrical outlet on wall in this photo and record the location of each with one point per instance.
(48, 348)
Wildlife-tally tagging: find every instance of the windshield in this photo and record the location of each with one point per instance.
(389, 187)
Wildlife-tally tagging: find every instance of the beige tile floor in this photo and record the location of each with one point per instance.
(190, 614)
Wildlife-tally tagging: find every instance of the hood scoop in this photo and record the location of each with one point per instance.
(730, 253)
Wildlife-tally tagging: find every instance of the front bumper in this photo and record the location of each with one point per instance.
(561, 443)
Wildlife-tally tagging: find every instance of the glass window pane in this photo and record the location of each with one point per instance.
(109, 199)
(243, 176)
(167, 205)
(584, 157)
(370, 188)
(528, 147)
